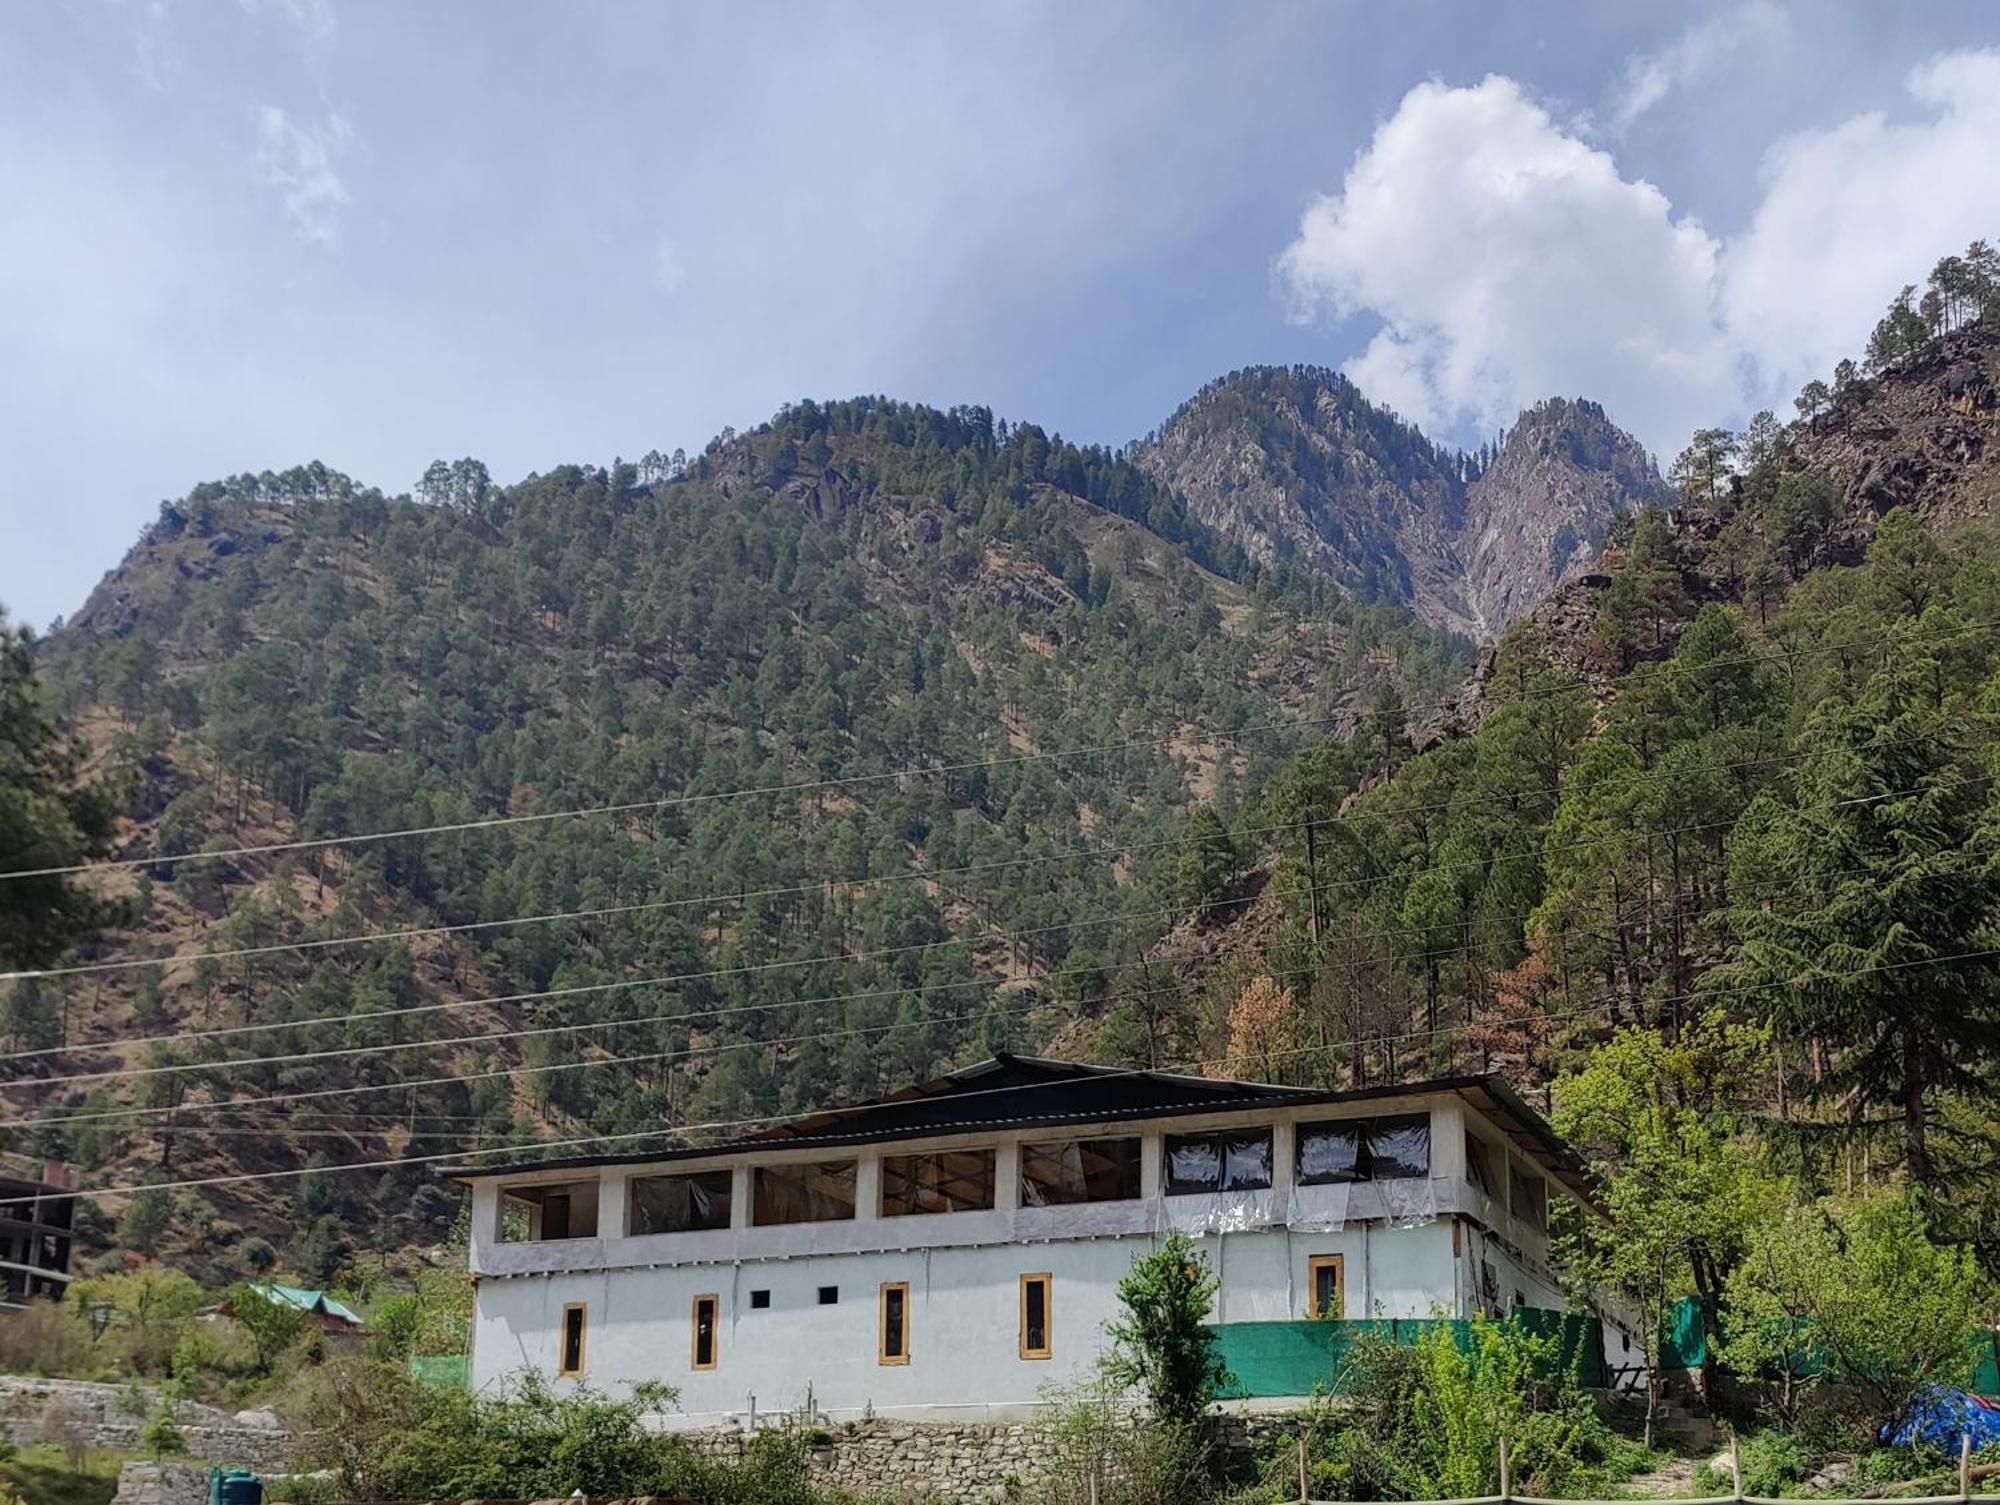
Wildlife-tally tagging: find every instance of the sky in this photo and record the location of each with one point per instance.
(238, 235)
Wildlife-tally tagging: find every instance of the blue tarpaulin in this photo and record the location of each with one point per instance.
(1940, 1416)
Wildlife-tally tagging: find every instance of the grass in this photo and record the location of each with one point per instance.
(41, 1475)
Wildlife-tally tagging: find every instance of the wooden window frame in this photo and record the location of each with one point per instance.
(1318, 1262)
(714, 1299)
(582, 1310)
(882, 1354)
(1047, 1281)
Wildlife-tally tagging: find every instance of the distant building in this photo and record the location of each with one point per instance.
(37, 1209)
(327, 1313)
(950, 1250)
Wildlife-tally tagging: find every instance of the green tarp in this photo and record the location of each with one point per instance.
(1299, 1358)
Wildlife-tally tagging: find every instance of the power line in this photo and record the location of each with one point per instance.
(1640, 673)
(275, 948)
(692, 1052)
(705, 1014)
(1537, 853)
(774, 1120)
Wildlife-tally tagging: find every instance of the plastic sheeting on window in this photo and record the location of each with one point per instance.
(1399, 1148)
(1193, 1165)
(949, 1181)
(1408, 1201)
(821, 1192)
(1234, 1160)
(1065, 1172)
(1329, 1153)
(1321, 1208)
(1219, 1212)
(680, 1204)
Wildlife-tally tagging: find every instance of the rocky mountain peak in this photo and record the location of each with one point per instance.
(1295, 463)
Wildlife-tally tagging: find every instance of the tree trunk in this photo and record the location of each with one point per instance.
(1913, 1110)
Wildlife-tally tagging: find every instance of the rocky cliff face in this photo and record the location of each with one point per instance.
(1297, 464)
(1924, 437)
(1537, 514)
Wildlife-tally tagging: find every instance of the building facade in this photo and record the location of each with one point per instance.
(954, 1251)
(37, 1212)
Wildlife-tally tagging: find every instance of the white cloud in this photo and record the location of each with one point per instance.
(1510, 261)
(1851, 213)
(669, 271)
(1705, 48)
(299, 162)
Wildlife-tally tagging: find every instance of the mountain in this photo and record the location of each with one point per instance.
(1923, 436)
(902, 712)
(1295, 464)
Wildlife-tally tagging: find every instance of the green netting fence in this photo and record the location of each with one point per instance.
(1270, 1359)
(449, 1371)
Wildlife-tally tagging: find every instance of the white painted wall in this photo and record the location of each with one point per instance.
(964, 1314)
(963, 1270)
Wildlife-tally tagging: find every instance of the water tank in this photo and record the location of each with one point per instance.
(237, 1487)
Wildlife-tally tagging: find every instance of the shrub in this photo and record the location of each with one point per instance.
(1424, 1420)
(1772, 1462)
(1163, 1345)
(50, 1340)
(1094, 1431)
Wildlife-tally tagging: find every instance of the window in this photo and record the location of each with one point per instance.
(952, 1181)
(1233, 1160)
(895, 1332)
(680, 1204)
(1065, 1171)
(569, 1363)
(1531, 1200)
(1326, 1286)
(538, 1213)
(1479, 1165)
(829, 1295)
(1035, 1337)
(703, 1355)
(759, 1300)
(1364, 1149)
(822, 1192)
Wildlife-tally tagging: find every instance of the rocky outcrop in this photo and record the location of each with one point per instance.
(1296, 465)
(1925, 437)
(1537, 514)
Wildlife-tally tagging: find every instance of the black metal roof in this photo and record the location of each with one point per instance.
(1011, 1091)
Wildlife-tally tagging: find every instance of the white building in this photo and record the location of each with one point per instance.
(948, 1252)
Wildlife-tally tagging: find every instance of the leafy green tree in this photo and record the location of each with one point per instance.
(1679, 1189)
(1862, 1289)
(273, 1326)
(50, 817)
(1162, 1343)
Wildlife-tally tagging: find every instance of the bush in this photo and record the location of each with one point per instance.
(1163, 1345)
(385, 1438)
(48, 1339)
(1772, 1462)
(1095, 1431)
(1424, 1421)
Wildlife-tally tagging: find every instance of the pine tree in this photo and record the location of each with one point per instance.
(1880, 951)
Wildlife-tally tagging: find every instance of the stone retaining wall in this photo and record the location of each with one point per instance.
(956, 1462)
(101, 1416)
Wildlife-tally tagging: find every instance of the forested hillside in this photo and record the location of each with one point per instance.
(1734, 792)
(980, 677)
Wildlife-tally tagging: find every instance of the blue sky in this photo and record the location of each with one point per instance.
(241, 234)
